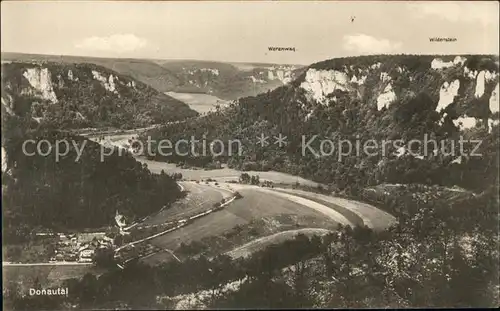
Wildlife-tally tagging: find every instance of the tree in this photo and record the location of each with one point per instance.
(244, 178)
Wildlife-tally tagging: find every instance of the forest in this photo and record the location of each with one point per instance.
(39, 192)
(442, 252)
(85, 101)
(438, 255)
(353, 116)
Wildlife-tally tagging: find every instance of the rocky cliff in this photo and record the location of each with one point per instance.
(228, 80)
(381, 98)
(84, 95)
(225, 80)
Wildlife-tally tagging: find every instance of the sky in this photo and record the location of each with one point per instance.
(243, 31)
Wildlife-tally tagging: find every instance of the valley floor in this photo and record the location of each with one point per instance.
(255, 220)
(199, 102)
(198, 224)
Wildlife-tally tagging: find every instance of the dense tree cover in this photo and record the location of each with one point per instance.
(247, 179)
(83, 101)
(353, 116)
(39, 191)
(36, 249)
(437, 255)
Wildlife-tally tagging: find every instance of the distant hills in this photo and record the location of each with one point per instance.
(73, 95)
(385, 97)
(226, 80)
(40, 98)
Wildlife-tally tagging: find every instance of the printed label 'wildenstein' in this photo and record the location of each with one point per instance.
(442, 39)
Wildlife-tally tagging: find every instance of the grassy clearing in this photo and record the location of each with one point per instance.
(201, 197)
(350, 215)
(369, 214)
(225, 174)
(212, 245)
(267, 214)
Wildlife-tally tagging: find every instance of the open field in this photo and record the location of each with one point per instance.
(258, 203)
(253, 205)
(201, 197)
(371, 216)
(305, 203)
(221, 175)
(213, 245)
(199, 102)
(323, 200)
(120, 141)
(224, 174)
(277, 238)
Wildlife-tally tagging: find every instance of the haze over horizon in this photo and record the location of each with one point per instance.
(243, 31)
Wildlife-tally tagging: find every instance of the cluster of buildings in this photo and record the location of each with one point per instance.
(80, 247)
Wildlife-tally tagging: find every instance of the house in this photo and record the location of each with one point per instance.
(120, 220)
(85, 259)
(44, 233)
(86, 255)
(83, 247)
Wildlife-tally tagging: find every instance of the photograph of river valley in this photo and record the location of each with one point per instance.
(249, 155)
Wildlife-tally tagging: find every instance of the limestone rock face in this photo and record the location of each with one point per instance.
(40, 80)
(320, 83)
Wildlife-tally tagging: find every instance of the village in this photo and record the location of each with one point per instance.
(80, 247)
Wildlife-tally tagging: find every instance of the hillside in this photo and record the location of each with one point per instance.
(66, 95)
(440, 250)
(368, 98)
(434, 257)
(227, 81)
(77, 191)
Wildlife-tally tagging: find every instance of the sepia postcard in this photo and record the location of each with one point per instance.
(250, 154)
